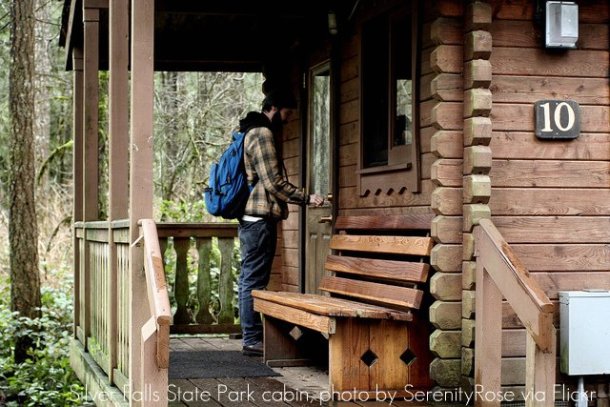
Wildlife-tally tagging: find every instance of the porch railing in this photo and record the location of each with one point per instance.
(199, 308)
(500, 274)
(102, 296)
(102, 291)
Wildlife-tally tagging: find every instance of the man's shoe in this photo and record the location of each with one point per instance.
(253, 350)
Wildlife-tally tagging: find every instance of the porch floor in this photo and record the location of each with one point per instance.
(296, 386)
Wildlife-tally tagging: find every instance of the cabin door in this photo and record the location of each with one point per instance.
(319, 177)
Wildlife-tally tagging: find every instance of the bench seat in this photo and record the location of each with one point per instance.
(368, 312)
(325, 306)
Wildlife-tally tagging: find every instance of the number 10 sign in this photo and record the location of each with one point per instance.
(557, 119)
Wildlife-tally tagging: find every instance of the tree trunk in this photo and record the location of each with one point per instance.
(23, 228)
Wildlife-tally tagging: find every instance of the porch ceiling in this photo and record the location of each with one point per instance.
(229, 35)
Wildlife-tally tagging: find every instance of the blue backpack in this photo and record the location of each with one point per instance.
(228, 189)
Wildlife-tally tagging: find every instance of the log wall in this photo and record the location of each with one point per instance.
(550, 199)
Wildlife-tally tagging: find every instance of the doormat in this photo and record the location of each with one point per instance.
(216, 364)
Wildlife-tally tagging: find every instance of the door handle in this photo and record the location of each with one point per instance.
(326, 219)
(329, 197)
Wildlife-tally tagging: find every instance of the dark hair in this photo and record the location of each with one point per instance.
(279, 99)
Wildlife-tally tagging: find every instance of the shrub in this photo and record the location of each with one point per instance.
(46, 379)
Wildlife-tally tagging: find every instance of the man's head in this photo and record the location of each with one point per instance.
(278, 105)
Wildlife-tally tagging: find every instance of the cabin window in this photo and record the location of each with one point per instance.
(388, 74)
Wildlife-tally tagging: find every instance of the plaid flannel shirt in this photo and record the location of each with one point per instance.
(272, 190)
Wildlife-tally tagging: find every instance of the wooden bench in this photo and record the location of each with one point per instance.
(369, 313)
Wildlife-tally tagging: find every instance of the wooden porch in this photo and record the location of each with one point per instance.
(295, 387)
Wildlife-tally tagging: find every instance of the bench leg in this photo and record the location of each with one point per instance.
(282, 349)
(370, 355)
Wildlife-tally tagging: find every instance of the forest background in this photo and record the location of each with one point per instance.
(194, 114)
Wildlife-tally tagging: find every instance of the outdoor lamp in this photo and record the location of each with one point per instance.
(561, 24)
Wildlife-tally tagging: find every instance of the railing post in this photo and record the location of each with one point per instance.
(225, 282)
(204, 281)
(540, 373)
(488, 338)
(181, 284)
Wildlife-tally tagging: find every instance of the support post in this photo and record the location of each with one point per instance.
(488, 337)
(540, 373)
(141, 188)
(118, 161)
(90, 146)
(77, 174)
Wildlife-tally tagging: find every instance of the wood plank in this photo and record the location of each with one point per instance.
(407, 245)
(396, 222)
(552, 229)
(550, 173)
(564, 257)
(529, 201)
(592, 12)
(318, 323)
(349, 198)
(376, 268)
(528, 89)
(536, 61)
(553, 282)
(520, 117)
(526, 146)
(379, 293)
(329, 306)
(524, 34)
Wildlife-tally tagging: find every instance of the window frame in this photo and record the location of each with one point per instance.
(402, 169)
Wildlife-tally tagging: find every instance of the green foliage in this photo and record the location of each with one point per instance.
(46, 379)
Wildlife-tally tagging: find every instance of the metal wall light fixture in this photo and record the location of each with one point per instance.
(561, 24)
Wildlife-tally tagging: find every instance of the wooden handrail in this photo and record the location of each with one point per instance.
(530, 303)
(157, 290)
(499, 273)
(197, 229)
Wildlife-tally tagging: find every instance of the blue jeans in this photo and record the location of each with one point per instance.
(257, 243)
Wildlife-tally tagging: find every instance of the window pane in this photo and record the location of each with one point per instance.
(375, 75)
(402, 81)
(320, 133)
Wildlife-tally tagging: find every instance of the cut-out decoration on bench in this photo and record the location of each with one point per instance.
(369, 358)
(296, 333)
(408, 357)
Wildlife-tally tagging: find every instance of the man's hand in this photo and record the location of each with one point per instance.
(315, 200)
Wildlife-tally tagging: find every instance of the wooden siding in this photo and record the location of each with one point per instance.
(550, 199)
(285, 269)
(349, 200)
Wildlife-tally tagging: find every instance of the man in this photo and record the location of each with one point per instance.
(266, 206)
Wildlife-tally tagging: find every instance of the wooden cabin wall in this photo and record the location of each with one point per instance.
(442, 127)
(550, 199)
(287, 277)
(349, 200)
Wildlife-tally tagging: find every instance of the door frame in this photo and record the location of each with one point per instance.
(334, 70)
